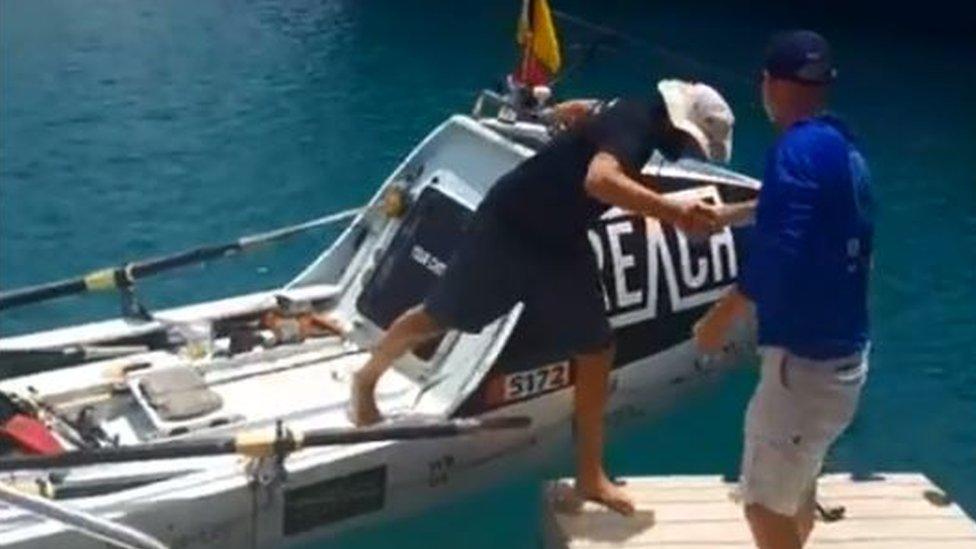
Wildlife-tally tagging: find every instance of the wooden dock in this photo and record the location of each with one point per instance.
(890, 511)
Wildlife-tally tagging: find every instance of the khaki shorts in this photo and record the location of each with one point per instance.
(799, 409)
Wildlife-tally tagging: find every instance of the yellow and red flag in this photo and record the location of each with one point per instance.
(540, 47)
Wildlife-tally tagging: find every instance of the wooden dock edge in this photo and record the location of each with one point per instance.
(884, 510)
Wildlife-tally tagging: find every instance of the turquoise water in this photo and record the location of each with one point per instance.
(130, 128)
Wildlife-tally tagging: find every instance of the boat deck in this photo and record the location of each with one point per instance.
(307, 385)
(890, 511)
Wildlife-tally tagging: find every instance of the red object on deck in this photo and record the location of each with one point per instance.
(30, 436)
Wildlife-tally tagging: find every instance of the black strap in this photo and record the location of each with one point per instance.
(8, 408)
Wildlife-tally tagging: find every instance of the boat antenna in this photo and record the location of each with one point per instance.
(589, 51)
(608, 36)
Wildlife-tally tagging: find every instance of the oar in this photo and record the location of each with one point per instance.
(118, 535)
(265, 443)
(125, 275)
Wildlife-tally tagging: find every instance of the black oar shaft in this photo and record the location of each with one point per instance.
(42, 292)
(107, 279)
(327, 437)
(153, 266)
(262, 443)
(119, 455)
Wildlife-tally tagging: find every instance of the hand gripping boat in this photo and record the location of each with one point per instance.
(204, 441)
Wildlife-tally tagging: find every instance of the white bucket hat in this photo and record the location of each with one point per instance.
(702, 113)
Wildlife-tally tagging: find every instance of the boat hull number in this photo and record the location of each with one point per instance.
(529, 383)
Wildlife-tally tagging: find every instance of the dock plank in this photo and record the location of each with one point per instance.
(893, 510)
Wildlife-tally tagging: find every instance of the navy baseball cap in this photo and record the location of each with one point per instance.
(801, 56)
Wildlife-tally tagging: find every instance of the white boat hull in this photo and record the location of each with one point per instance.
(220, 509)
(658, 284)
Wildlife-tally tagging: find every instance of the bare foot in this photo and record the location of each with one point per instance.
(362, 404)
(608, 494)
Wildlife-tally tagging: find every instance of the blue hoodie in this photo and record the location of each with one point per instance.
(808, 266)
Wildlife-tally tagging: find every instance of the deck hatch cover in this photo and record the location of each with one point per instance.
(179, 393)
(334, 499)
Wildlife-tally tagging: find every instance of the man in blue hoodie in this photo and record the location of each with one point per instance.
(807, 277)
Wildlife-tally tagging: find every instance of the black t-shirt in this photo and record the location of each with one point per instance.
(544, 201)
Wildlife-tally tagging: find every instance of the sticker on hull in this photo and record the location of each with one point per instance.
(517, 386)
(333, 500)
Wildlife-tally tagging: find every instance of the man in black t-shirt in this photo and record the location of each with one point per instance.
(528, 243)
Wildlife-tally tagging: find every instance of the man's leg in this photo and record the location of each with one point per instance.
(772, 530)
(410, 329)
(794, 402)
(592, 384)
(804, 518)
(774, 477)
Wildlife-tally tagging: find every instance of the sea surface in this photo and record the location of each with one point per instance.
(130, 128)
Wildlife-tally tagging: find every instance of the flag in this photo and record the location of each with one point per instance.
(540, 47)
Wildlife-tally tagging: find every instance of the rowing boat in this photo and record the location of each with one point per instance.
(155, 380)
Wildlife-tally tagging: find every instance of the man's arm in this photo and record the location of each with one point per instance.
(649, 181)
(571, 112)
(735, 214)
(712, 331)
(739, 213)
(777, 251)
(607, 181)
